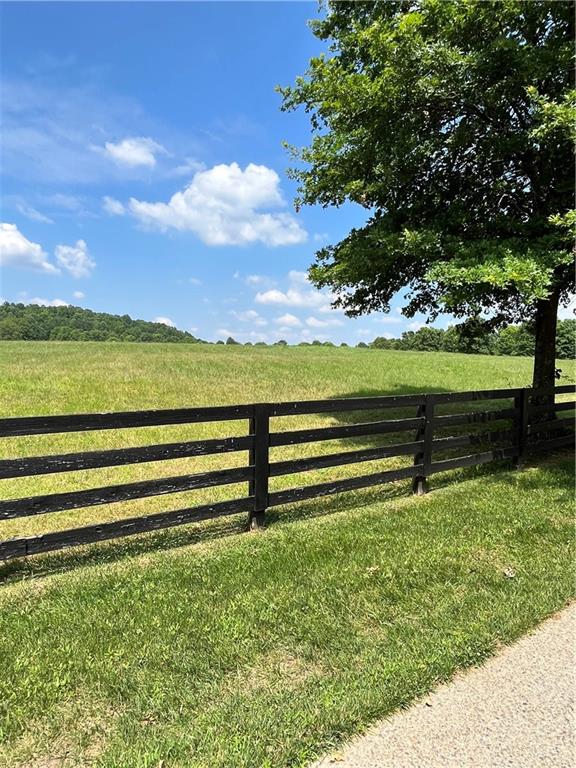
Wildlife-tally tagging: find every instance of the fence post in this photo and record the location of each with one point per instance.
(522, 404)
(425, 433)
(260, 460)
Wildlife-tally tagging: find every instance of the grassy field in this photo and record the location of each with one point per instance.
(42, 378)
(190, 647)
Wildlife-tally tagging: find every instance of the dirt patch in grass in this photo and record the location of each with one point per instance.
(278, 667)
(81, 741)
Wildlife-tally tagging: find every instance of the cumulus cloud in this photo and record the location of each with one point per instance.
(222, 206)
(257, 279)
(300, 293)
(113, 207)
(78, 294)
(298, 277)
(314, 322)
(165, 321)
(17, 250)
(137, 151)
(249, 316)
(288, 321)
(293, 297)
(75, 259)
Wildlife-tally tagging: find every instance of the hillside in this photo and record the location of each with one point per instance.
(30, 322)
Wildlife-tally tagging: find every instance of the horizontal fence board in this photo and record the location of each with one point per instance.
(338, 486)
(563, 389)
(461, 441)
(483, 394)
(350, 430)
(344, 404)
(37, 505)
(552, 407)
(558, 432)
(346, 457)
(119, 528)
(471, 461)
(561, 423)
(481, 417)
(41, 425)
(71, 462)
(555, 442)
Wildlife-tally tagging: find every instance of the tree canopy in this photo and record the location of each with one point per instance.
(514, 340)
(33, 322)
(451, 123)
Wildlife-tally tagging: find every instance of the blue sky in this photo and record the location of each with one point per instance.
(143, 170)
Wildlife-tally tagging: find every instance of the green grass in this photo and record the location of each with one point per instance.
(42, 378)
(190, 647)
(265, 650)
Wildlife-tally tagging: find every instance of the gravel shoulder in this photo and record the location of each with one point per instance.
(516, 711)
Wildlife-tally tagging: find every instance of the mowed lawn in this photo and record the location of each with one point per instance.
(191, 647)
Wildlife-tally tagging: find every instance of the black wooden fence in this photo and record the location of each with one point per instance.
(533, 423)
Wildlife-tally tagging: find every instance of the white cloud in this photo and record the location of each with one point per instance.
(75, 259)
(33, 214)
(67, 202)
(165, 321)
(221, 206)
(48, 130)
(194, 281)
(249, 316)
(415, 325)
(133, 152)
(187, 168)
(113, 207)
(389, 320)
(288, 320)
(293, 297)
(298, 277)
(314, 322)
(261, 280)
(47, 302)
(78, 294)
(300, 293)
(17, 250)
(242, 336)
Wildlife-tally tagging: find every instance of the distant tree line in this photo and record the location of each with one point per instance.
(31, 322)
(36, 323)
(473, 339)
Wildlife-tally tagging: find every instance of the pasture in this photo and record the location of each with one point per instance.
(190, 647)
(51, 378)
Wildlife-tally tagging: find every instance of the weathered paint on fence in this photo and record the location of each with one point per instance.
(535, 427)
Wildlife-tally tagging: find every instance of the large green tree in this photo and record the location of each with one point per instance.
(451, 122)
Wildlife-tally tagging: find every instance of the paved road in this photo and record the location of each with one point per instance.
(516, 711)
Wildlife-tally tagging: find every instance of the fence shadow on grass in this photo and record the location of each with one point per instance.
(116, 550)
(202, 533)
(171, 539)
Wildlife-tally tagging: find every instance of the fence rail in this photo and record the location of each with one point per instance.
(537, 424)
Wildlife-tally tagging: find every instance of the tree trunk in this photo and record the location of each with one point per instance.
(545, 347)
